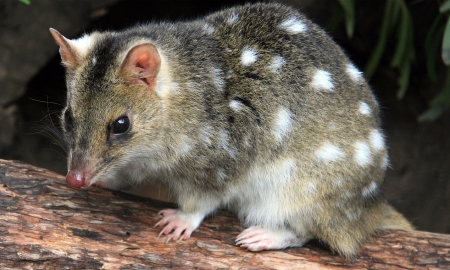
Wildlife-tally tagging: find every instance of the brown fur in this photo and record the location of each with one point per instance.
(282, 152)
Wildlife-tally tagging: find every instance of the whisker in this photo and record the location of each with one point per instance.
(46, 127)
(47, 102)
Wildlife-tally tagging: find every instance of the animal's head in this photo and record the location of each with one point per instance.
(113, 117)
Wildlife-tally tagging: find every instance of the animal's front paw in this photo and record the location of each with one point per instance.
(257, 238)
(178, 225)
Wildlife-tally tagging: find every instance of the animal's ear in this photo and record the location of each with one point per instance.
(141, 65)
(67, 49)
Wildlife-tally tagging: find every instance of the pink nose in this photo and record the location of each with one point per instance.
(76, 179)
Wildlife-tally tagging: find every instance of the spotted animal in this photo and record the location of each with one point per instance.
(253, 108)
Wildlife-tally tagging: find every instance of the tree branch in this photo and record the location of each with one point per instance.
(46, 225)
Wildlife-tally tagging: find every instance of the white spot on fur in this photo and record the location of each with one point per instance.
(175, 88)
(351, 215)
(364, 108)
(247, 142)
(347, 194)
(208, 29)
(218, 79)
(329, 152)
(72, 83)
(235, 105)
(94, 60)
(340, 204)
(225, 145)
(233, 18)
(205, 135)
(338, 182)
(191, 86)
(354, 73)
(232, 151)
(183, 147)
(362, 153)
(221, 175)
(333, 126)
(310, 189)
(223, 142)
(293, 25)
(82, 45)
(283, 123)
(358, 211)
(385, 161)
(377, 140)
(369, 190)
(354, 215)
(277, 63)
(284, 169)
(322, 80)
(248, 56)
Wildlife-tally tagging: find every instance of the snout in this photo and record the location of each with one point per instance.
(77, 179)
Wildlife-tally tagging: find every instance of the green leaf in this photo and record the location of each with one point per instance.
(433, 45)
(335, 20)
(440, 103)
(404, 52)
(348, 6)
(26, 2)
(389, 20)
(349, 9)
(446, 44)
(405, 40)
(432, 31)
(431, 114)
(403, 81)
(350, 26)
(431, 55)
(445, 6)
(443, 98)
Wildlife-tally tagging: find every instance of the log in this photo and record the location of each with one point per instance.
(44, 224)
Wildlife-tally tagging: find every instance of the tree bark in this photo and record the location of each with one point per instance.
(44, 224)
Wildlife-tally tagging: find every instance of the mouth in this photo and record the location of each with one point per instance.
(82, 180)
(101, 184)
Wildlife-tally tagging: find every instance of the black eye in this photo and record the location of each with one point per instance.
(121, 125)
(68, 121)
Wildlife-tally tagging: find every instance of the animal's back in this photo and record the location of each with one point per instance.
(316, 121)
(299, 127)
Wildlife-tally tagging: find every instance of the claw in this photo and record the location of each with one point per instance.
(256, 239)
(177, 225)
(166, 212)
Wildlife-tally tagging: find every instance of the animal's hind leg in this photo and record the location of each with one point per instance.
(344, 232)
(257, 238)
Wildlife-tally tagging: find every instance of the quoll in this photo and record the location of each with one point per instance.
(253, 108)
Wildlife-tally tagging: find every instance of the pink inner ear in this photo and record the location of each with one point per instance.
(142, 64)
(143, 60)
